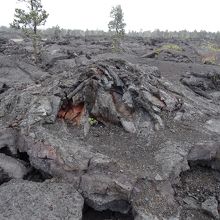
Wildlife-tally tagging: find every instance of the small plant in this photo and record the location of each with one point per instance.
(56, 33)
(166, 47)
(92, 121)
(211, 47)
(209, 60)
(172, 47)
(115, 44)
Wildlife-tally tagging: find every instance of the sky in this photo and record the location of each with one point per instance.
(139, 15)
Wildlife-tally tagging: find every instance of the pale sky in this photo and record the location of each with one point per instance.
(138, 14)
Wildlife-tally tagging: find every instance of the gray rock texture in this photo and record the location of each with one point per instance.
(38, 201)
(211, 206)
(121, 131)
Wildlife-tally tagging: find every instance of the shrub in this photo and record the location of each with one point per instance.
(209, 59)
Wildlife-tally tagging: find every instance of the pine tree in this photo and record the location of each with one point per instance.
(29, 20)
(117, 25)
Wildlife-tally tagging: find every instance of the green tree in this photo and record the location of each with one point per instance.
(57, 33)
(29, 20)
(117, 24)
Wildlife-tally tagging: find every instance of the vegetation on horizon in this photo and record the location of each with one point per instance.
(34, 16)
(145, 34)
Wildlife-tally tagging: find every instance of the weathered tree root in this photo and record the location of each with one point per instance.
(117, 92)
(110, 91)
